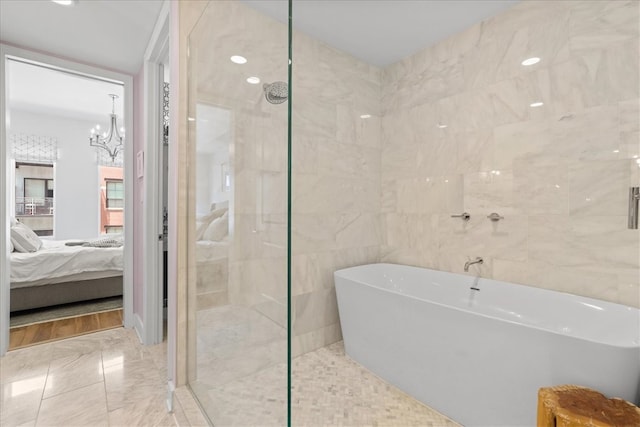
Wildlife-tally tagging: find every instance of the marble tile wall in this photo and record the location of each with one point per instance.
(459, 134)
(336, 165)
(336, 181)
(447, 130)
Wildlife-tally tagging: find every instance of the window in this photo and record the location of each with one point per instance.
(115, 194)
(34, 196)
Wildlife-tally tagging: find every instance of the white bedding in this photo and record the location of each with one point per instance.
(55, 260)
(207, 250)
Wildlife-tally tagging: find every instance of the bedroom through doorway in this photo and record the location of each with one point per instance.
(65, 137)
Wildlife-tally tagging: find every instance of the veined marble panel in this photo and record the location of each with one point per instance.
(541, 189)
(599, 188)
(348, 162)
(327, 194)
(476, 151)
(491, 191)
(591, 134)
(314, 271)
(523, 141)
(599, 24)
(596, 77)
(314, 311)
(437, 155)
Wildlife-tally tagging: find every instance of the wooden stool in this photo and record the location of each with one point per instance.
(574, 406)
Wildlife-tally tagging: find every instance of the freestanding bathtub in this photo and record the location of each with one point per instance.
(479, 356)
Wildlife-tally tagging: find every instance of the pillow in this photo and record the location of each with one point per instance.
(218, 229)
(24, 239)
(203, 223)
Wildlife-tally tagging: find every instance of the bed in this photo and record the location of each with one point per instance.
(212, 253)
(60, 274)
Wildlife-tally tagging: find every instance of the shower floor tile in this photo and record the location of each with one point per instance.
(244, 381)
(330, 389)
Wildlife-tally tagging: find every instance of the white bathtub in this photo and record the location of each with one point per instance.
(479, 357)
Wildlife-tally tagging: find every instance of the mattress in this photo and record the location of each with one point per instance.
(55, 262)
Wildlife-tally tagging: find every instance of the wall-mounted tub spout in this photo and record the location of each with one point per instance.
(478, 260)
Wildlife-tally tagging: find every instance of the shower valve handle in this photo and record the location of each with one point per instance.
(465, 216)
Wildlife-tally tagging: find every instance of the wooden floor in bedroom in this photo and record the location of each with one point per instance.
(38, 333)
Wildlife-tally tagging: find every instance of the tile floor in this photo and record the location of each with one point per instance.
(110, 379)
(242, 380)
(103, 379)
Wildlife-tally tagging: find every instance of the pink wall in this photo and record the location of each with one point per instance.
(138, 195)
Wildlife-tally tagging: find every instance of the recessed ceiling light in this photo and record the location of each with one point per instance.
(616, 151)
(365, 116)
(253, 80)
(536, 104)
(441, 126)
(65, 2)
(237, 59)
(530, 61)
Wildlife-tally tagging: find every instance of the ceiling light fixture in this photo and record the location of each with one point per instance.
(536, 104)
(237, 59)
(365, 116)
(253, 80)
(65, 2)
(110, 141)
(530, 61)
(441, 126)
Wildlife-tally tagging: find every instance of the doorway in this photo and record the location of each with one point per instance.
(84, 198)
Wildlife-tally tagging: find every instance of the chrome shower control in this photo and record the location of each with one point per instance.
(465, 216)
(495, 217)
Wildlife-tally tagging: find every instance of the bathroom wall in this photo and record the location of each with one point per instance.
(336, 165)
(459, 134)
(336, 181)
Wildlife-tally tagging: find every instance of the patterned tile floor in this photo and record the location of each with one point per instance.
(242, 380)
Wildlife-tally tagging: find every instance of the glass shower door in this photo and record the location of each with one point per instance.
(237, 297)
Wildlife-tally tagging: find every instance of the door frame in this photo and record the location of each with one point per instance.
(6, 52)
(151, 324)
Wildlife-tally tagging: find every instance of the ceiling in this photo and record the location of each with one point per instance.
(114, 35)
(42, 90)
(382, 32)
(109, 34)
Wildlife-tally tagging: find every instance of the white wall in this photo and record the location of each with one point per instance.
(76, 192)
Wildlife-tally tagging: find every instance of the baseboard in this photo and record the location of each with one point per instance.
(171, 388)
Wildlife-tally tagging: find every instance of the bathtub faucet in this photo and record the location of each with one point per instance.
(478, 260)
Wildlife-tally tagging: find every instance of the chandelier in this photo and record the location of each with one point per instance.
(110, 141)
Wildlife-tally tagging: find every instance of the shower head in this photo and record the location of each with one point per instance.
(276, 92)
